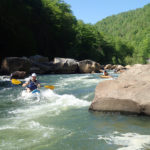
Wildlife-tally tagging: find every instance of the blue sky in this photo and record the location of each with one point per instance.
(91, 11)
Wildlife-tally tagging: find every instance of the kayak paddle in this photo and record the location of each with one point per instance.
(49, 87)
(17, 82)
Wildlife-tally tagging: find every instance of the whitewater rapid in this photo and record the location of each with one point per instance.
(59, 119)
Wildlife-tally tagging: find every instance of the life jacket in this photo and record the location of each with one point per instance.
(32, 85)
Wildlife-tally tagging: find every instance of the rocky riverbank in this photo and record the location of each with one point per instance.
(127, 94)
(19, 67)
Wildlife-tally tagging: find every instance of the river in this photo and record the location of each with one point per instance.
(60, 119)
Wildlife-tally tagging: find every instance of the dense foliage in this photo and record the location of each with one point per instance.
(48, 27)
(35, 26)
(131, 28)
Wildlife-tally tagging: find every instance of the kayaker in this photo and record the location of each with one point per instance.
(32, 84)
(105, 73)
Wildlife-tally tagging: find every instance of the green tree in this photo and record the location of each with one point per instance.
(88, 44)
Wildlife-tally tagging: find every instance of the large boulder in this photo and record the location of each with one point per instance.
(114, 67)
(128, 94)
(12, 64)
(39, 59)
(128, 66)
(40, 68)
(119, 67)
(64, 65)
(108, 66)
(18, 75)
(89, 66)
(40, 64)
(37, 70)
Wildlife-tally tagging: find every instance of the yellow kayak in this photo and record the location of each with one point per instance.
(102, 76)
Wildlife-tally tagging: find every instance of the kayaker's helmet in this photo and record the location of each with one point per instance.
(33, 75)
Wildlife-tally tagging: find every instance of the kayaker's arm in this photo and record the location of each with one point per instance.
(25, 84)
(38, 85)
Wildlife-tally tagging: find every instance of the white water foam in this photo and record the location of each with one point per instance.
(5, 89)
(4, 78)
(37, 125)
(128, 141)
(29, 96)
(50, 103)
(43, 132)
(7, 127)
(54, 99)
(83, 81)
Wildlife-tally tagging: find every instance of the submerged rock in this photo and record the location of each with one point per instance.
(128, 94)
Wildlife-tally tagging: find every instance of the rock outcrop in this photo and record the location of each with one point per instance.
(64, 65)
(89, 66)
(39, 59)
(67, 65)
(108, 66)
(12, 64)
(128, 94)
(41, 65)
(18, 75)
(40, 68)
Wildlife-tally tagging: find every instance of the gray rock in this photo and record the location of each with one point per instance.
(129, 93)
(128, 66)
(39, 59)
(108, 66)
(119, 67)
(12, 64)
(113, 67)
(64, 65)
(40, 68)
(89, 66)
(37, 70)
(18, 75)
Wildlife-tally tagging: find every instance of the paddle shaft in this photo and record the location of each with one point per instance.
(17, 82)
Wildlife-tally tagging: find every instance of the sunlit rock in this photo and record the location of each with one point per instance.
(129, 93)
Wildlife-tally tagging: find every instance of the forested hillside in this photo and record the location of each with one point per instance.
(131, 28)
(49, 28)
(35, 26)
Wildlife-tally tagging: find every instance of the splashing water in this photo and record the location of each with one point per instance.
(127, 141)
(60, 120)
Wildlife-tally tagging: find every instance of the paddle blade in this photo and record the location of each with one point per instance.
(15, 81)
(49, 87)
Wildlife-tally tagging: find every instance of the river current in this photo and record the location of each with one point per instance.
(60, 119)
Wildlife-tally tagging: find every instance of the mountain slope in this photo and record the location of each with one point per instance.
(132, 27)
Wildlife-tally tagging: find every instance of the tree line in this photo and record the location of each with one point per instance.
(49, 28)
(131, 28)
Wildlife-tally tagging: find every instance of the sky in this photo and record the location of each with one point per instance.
(92, 11)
